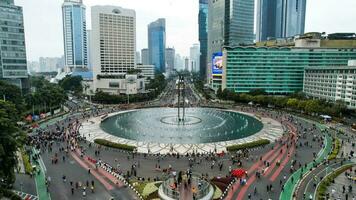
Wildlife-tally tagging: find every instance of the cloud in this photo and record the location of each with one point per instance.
(44, 34)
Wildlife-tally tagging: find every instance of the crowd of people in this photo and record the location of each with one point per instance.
(63, 137)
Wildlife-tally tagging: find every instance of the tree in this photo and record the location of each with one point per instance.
(38, 81)
(11, 138)
(298, 95)
(281, 102)
(47, 96)
(12, 93)
(219, 94)
(72, 83)
(256, 92)
(293, 103)
(301, 105)
(312, 106)
(158, 83)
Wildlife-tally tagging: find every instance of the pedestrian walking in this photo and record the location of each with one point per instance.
(84, 194)
(64, 178)
(92, 189)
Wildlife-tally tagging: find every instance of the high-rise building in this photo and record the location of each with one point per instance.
(50, 64)
(113, 47)
(148, 71)
(332, 83)
(13, 63)
(33, 66)
(186, 64)
(145, 57)
(230, 23)
(178, 63)
(195, 57)
(203, 35)
(170, 57)
(75, 35)
(90, 64)
(239, 22)
(157, 44)
(280, 18)
(266, 21)
(293, 20)
(138, 57)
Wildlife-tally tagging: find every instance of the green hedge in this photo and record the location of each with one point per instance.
(325, 183)
(115, 145)
(248, 145)
(9, 194)
(26, 162)
(336, 149)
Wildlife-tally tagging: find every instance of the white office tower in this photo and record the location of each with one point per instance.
(195, 58)
(113, 43)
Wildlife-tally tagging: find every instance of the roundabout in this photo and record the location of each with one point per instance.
(203, 130)
(201, 125)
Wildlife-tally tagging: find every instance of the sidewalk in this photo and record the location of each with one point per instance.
(40, 179)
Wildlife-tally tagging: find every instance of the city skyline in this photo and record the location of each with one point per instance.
(318, 18)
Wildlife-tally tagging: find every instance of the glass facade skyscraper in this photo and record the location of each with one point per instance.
(266, 19)
(203, 35)
(294, 17)
(13, 64)
(75, 35)
(280, 18)
(157, 44)
(239, 22)
(230, 23)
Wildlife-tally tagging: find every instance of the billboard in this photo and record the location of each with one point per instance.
(217, 63)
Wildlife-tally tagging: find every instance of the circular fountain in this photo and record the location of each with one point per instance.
(200, 125)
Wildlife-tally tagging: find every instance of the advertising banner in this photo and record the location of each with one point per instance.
(217, 63)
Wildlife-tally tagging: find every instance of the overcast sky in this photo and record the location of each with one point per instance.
(43, 21)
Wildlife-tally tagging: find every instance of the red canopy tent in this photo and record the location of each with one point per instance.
(239, 173)
(29, 118)
(221, 154)
(42, 115)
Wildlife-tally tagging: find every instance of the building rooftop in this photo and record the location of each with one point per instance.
(313, 40)
(74, 1)
(351, 65)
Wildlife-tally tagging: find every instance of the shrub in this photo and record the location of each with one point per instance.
(114, 145)
(26, 162)
(248, 145)
(336, 149)
(9, 194)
